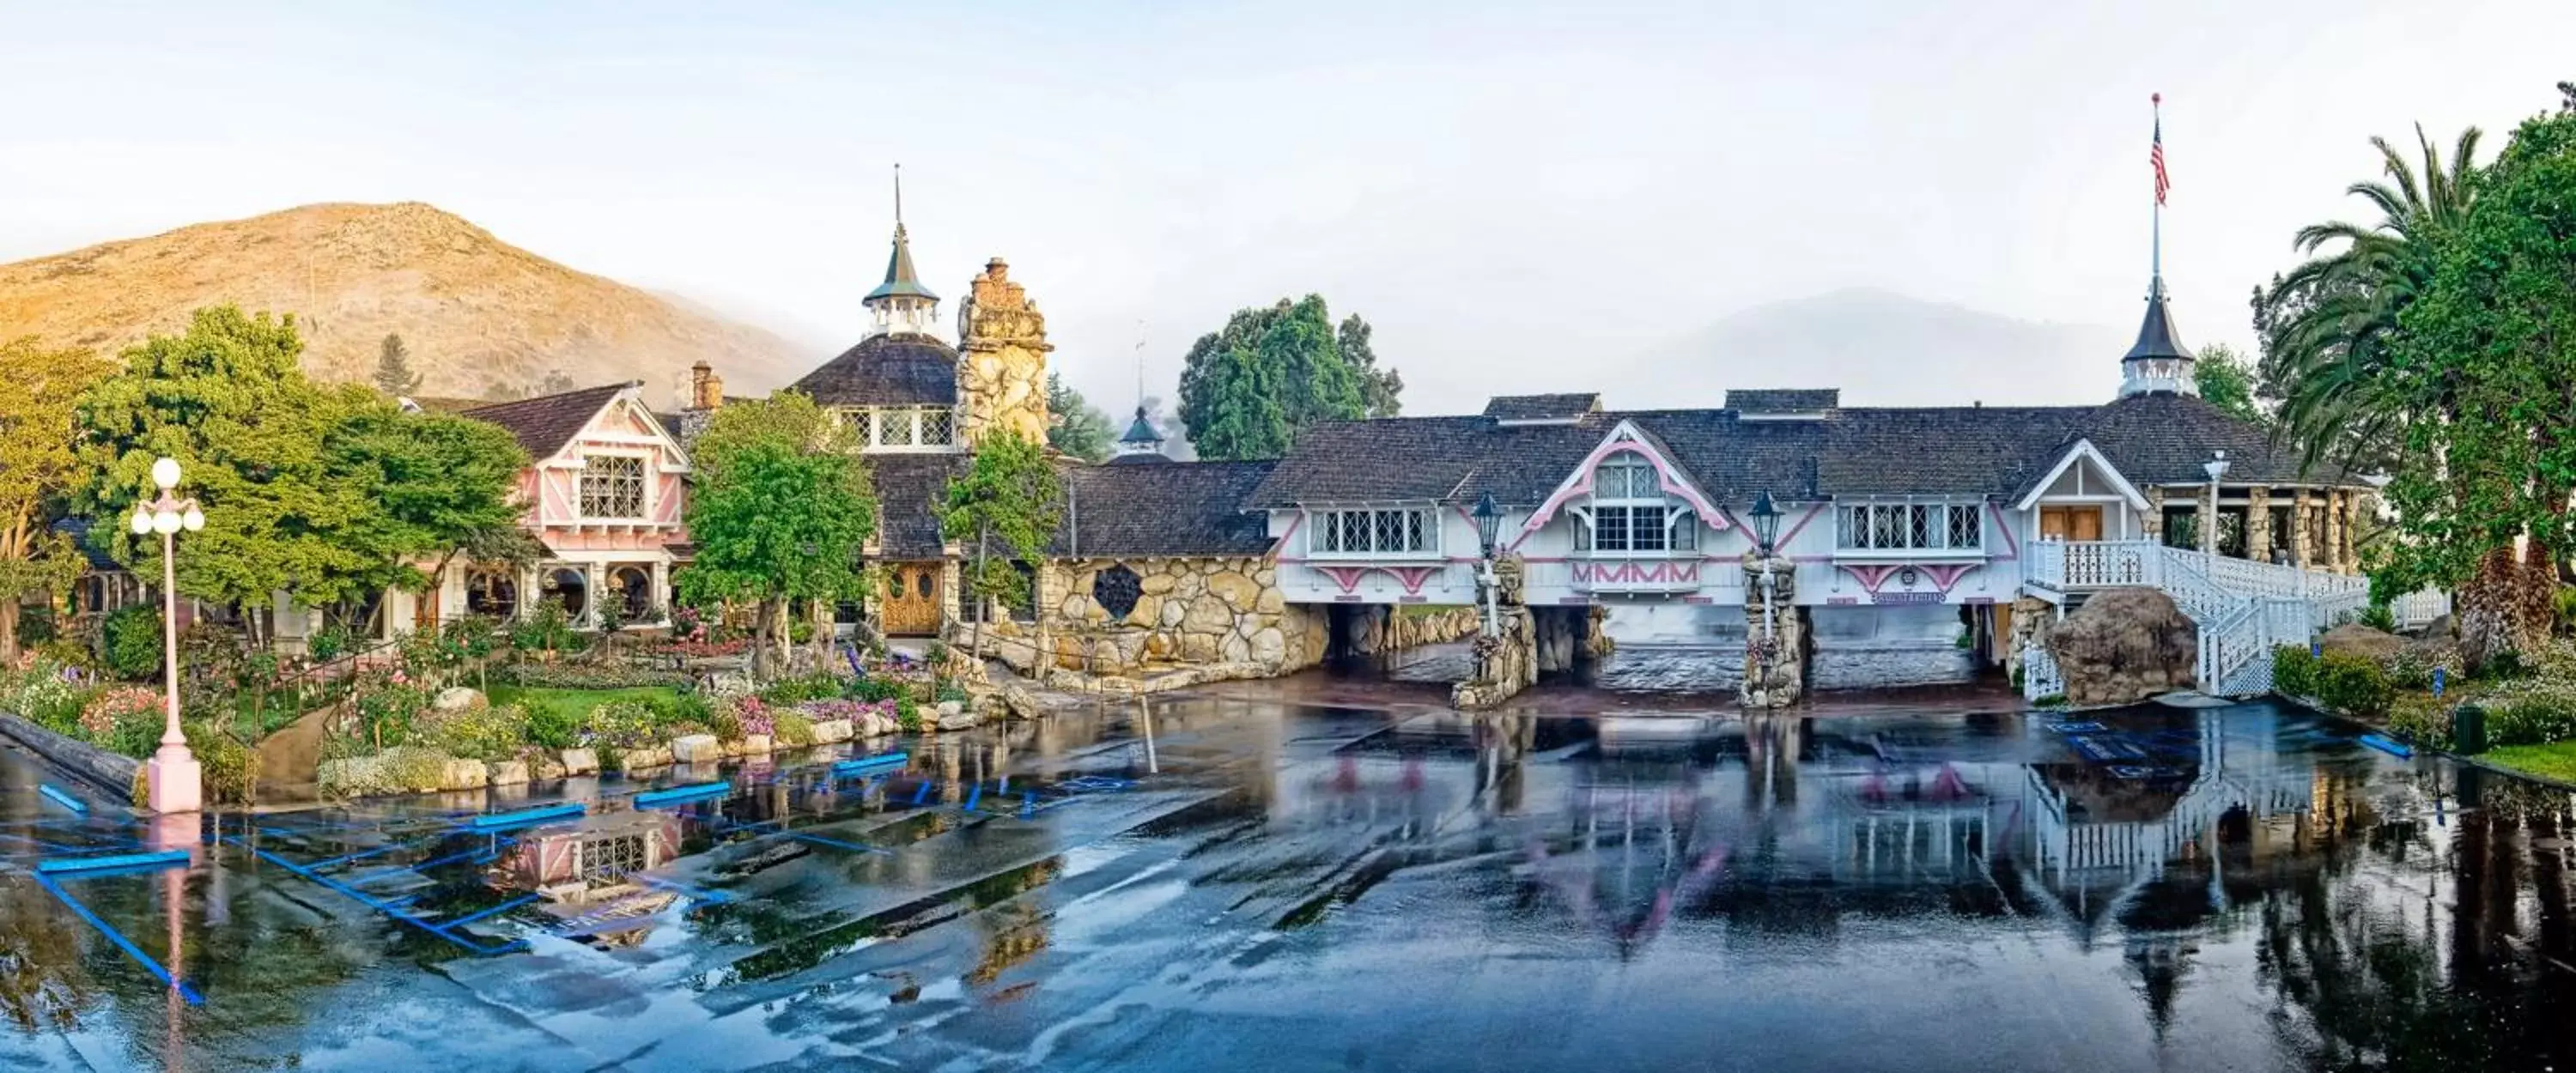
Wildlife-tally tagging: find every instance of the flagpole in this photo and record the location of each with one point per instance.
(2156, 243)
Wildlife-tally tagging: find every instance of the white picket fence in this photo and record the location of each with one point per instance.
(2244, 609)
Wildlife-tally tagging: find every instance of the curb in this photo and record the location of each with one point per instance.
(94, 767)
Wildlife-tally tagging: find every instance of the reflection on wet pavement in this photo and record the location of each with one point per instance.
(1267, 884)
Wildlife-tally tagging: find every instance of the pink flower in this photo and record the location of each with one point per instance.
(401, 679)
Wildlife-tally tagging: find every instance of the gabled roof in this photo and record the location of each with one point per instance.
(1630, 437)
(1534, 408)
(898, 369)
(543, 425)
(2081, 451)
(1177, 508)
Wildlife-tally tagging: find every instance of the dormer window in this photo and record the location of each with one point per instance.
(1630, 514)
(612, 486)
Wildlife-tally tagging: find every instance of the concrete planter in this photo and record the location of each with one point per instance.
(103, 770)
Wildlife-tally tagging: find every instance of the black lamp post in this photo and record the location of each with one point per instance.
(1766, 522)
(1489, 523)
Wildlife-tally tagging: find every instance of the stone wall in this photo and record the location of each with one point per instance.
(1193, 611)
(1504, 664)
(1775, 643)
(1001, 362)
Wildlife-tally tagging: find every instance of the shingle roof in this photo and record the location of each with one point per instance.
(897, 369)
(900, 279)
(78, 529)
(2156, 335)
(1564, 407)
(546, 423)
(1141, 430)
(1783, 400)
(1958, 450)
(1139, 458)
(1178, 508)
(908, 487)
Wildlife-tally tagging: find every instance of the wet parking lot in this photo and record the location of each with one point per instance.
(1261, 882)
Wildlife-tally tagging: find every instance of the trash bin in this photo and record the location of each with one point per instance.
(2469, 729)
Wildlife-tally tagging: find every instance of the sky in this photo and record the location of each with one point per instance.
(1511, 193)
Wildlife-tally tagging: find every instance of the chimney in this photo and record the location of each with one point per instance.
(706, 389)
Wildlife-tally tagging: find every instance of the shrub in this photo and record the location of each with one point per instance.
(546, 629)
(226, 765)
(328, 643)
(389, 711)
(2378, 617)
(756, 720)
(480, 733)
(588, 676)
(2353, 685)
(621, 725)
(685, 708)
(47, 693)
(403, 770)
(787, 692)
(793, 731)
(949, 691)
(554, 729)
(2533, 719)
(130, 641)
(2294, 671)
(2564, 603)
(106, 713)
(876, 689)
(907, 715)
(726, 722)
(2427, 724)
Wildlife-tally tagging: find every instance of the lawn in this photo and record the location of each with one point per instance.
(2556, 760)
(576, 702)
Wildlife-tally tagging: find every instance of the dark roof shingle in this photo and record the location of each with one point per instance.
(1783, 400)
(909, 488)
(900, 369)
(543, 425)
(1564, 407)
(1178, 508)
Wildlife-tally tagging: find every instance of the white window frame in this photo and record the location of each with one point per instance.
(1331, 533)
(880, 423)
(645, 472)
(1907, 526)
(1676, 537)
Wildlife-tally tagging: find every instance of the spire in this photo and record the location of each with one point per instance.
(901, 303)
(2157, 362)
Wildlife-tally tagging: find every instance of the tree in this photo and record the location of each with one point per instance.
(393, 368)
(1247, 390)
(2491, 334)
(38, 390)
(1007, 503)
(442, 485)
(555, 383)
(1075, 426)
(2226, 381)
(781, 510)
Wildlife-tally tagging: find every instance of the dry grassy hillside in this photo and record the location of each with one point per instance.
(481, 318)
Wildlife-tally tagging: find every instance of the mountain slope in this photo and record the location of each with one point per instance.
(481, 318)
(1881, 349)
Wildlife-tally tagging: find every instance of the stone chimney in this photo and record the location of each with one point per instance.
(706, 389)
(1001, 368)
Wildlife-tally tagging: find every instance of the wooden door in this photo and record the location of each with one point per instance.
(2070, 523)
(912, 599)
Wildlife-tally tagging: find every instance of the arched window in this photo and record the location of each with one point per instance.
(1630, 514)
(570, 588)
(492, 592)
(634, 587)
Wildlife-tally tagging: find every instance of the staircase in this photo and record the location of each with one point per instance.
(2244, 609)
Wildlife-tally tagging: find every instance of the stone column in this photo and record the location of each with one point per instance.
(2334, 541)
(1505, 663)
(594, 581)
(2152, 526)
(2258, 523)
(662, 588)
(1775, 634)
(2299, 528)
(2208, 503)
(2347, 561)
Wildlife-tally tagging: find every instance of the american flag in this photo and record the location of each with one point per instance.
(2156, 156)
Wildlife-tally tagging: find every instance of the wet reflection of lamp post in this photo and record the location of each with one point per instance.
(1766, 530)
(172, 780)
(1489, 521)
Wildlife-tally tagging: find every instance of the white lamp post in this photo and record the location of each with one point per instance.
(1489, 524)
(2216, 467)
(173, 782)
(1766, 532)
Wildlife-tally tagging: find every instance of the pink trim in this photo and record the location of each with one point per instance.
(1665, 478)
(2004, 527)
(1411, 577)
(1947, 575)
(1348, 577)
(1616, 572)
(1802, 525)
(1293, 524)
(1870, 575)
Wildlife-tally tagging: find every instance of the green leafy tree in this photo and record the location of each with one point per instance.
(2226, 381)
(781, 510)
(38, 390)
(1247, 390)
(2491, 334)
(1075, 426)
(443, 486)
(1004, 508)
(393, 367)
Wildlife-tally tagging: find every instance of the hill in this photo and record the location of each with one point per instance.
(1881, 349)
(481, 318)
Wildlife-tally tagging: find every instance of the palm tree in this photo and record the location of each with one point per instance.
(2328, 323)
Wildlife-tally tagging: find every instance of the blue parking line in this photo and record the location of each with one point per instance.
(523, 817)
(682, 794)
(923, 794)
(56, 795)
(96, 862)
(387, 908)
(117, 937)
(837, 843)
(702, 895)
(360, 856)
(973, 796)
(477, 854)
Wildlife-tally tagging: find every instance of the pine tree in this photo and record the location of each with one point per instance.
(393, 368)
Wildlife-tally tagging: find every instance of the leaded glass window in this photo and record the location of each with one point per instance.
(612, 486)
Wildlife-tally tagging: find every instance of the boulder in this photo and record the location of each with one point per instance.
(697, 749)
(580, 762)
(644, 759)
(949, 707)
(457, 699)
(833, 731)
(2355, 639)
(2444, 628)
(463, 775)
(2124, 646)
(960, 721)
(1269, 646)
(756, 745)
(1236, 590)
(1156, 584)
(509, 773)
(1021, 703)
(1208, 615)
(729, 684)
(547, 768)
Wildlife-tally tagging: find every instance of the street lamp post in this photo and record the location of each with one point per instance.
(1766, 532)
(2216, 467)
(173, 781)
(1489, 522)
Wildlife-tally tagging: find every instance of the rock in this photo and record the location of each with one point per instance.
(697, 749)
(580, 762)
(1198, 648)
(1236, 590)
(729, 684)
(457, 699)
(754, 745)
(1234, 649)
(463, 775)
(2444, 628)
(1208, 614)
(509, 773)
(1173, 612)
(2353, 638)
(633, 760)
(960, 721)
(1021, 703)
(2125, 645)
(949, 707)
(1247, 624)
(1271, 602)
(548, 768)
(833, 731)
(1156, 584)
(1148, 611)
(1269, 646)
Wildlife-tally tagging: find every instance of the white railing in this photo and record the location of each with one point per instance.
(2039, 674)
(2416, 610)
(2244, 609)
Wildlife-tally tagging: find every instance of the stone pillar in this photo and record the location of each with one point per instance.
(662, 588)
(2299, 528)
(2152, 526)
(2258, 523)
(2347, 560)
(2335, 536)
(594, 580)
(1775, 634)
(1001, 362)
(1505, 663)
(2207, 502)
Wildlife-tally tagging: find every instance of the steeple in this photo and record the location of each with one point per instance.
(2158, 361)
(901, 304)
(1142, 437)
